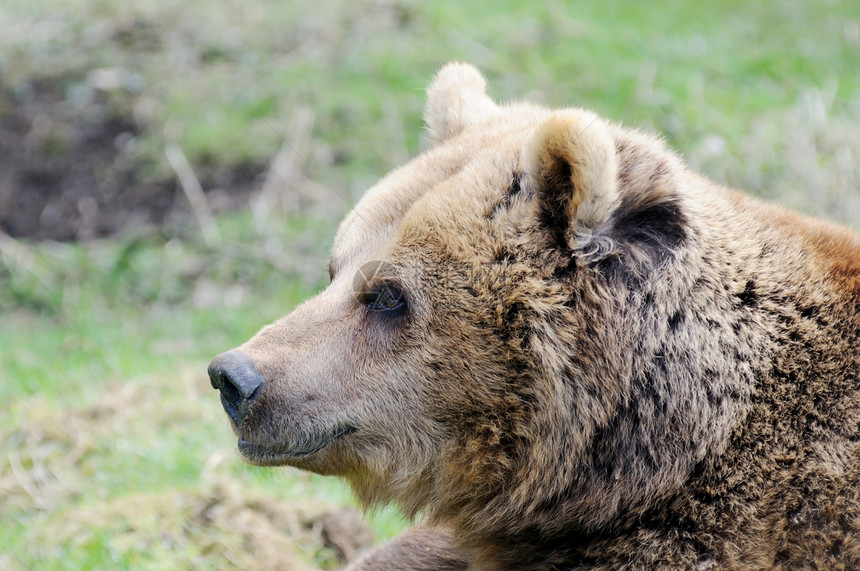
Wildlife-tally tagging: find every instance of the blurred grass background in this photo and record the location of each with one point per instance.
(114, 452)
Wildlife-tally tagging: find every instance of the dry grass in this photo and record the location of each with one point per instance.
(220, 526)
(53, 471)
(805, 157)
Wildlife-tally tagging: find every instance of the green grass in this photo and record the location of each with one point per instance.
(223, 79)
(110, 438)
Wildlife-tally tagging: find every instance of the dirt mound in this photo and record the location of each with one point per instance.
(68, 170)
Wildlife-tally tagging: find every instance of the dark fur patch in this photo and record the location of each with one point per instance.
(504, 256)
(618, 445)
(510, 193)
(748, 297)
(511, 321)
(814, 313)
(647, 231)
(656, 226)
(554, 199)
(566, 270)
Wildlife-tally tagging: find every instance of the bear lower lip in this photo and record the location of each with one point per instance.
(274, 455)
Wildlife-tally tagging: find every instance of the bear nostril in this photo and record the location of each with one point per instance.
(239, 382)
(231, 395)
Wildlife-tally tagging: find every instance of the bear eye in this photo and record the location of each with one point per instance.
(384, 297)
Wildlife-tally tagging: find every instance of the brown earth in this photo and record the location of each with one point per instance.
(66, 172)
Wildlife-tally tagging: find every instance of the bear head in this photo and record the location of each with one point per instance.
(489, 350)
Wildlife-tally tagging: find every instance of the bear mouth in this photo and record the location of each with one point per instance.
(279, 454)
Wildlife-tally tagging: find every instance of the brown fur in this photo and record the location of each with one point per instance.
(603, 360)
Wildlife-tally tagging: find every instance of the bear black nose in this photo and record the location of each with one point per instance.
(239, 383)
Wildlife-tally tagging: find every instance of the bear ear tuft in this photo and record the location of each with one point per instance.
(571, 163)
(456, 99)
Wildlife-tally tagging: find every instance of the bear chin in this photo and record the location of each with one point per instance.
(293, 453)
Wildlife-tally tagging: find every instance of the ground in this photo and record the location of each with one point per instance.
(66, 174)
(219, 522)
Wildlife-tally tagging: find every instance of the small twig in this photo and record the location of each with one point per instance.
(18, 471)
(194, 192)
(283, 170)
(9, 246)
(207, 473)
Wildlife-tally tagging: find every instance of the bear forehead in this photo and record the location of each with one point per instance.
(442, 195)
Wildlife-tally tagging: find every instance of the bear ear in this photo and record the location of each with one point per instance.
(570, 161)
(456, 99)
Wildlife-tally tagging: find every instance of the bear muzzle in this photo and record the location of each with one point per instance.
(241, 385)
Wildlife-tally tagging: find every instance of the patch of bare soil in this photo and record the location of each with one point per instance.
(65, 173)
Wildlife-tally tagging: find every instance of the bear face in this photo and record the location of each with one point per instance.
(545, 330)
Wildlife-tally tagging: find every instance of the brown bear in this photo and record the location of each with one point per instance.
(566, 350)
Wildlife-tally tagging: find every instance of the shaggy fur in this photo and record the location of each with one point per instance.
(580, 355)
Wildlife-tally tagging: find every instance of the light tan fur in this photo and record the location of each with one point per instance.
(456, 100)
(575, 144)
(602, 359)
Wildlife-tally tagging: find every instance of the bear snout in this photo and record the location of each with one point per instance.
(239, 382)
